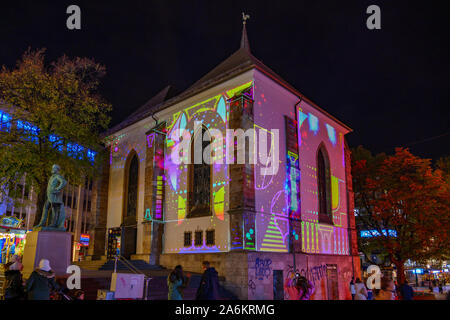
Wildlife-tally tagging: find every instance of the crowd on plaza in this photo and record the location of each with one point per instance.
(389, 290)
(41, 285)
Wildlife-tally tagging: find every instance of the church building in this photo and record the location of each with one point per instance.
(257, 223)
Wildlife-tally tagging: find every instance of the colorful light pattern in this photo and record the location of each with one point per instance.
(331, 134)
(273, 238)
(313, 123)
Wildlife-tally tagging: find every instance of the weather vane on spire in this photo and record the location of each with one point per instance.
(245, 17)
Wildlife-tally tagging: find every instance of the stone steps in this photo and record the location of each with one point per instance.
(90, 265)
(138, 264)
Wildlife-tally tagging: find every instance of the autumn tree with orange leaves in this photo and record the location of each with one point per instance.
(402, 192)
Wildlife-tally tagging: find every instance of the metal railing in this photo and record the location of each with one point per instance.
(133, 269)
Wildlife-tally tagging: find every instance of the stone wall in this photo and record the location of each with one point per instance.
(261, 267)
(249, 275)
(232, 266)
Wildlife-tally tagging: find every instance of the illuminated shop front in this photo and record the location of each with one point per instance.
(12, 238)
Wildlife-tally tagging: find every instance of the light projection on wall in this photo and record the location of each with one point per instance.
(213, 113)
(274, 239)
(301, 118)
(331, 134)
(150, 140)
(250, 240)
(293, 182)
(316, 237)
(263, 181)
(219, 203)
(159, 197)
(313, 123)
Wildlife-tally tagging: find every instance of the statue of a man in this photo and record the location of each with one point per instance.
(54, 202)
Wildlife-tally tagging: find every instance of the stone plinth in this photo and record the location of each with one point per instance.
(52, 245)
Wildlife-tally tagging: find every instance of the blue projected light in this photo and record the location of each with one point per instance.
(313, 123)
(375, 233)
(331, 134)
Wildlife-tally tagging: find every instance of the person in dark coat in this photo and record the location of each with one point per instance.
(406, 291)
(177, 282)
(14, 286)
(41, 281)
(209, 284)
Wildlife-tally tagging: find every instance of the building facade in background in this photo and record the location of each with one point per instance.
(18, 206)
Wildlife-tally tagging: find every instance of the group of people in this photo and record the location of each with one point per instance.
(388, 290)
(207, 290)
(41, 285)
(440, 283)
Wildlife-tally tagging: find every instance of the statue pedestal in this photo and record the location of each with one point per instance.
(51, 245)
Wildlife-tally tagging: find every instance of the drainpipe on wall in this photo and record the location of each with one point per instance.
(292, 236)
(156, 120)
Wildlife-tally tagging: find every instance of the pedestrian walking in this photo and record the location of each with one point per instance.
(209, 284)
(13, 282)
(441, 289)
(352, 288)
(41, 281)
(361, 290)
(176, 282)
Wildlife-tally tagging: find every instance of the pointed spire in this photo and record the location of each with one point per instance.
(244, 39)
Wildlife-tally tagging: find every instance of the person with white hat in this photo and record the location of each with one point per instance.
(40, 281)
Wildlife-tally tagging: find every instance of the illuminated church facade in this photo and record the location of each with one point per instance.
(253, 227)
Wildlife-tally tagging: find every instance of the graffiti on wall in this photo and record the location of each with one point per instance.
(313, 274)
(252, 286)
(263, 268)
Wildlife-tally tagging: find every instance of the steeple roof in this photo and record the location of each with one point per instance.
(244, 39)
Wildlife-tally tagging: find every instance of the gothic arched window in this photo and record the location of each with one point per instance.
(199, 196)
(132, 187)
(324, 185)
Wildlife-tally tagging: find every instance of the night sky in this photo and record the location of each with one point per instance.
(391, 85)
